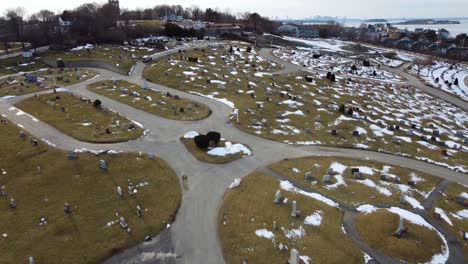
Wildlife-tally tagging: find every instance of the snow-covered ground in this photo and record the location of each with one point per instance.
(444, 75)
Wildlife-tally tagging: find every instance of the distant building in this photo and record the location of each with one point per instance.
(215, 30)
(443, 34)
(63, 25)
(298, 31)
(172, 18)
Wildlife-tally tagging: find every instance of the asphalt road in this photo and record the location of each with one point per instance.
(193, 235)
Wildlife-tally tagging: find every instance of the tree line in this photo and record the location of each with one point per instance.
(97, 23)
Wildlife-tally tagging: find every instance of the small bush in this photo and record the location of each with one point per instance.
(214, 136)
(97, 103)
(202, 141)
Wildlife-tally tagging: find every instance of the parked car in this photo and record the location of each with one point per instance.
(146, 59)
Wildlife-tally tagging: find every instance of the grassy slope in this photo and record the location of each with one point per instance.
(83, 236)
(418, 246)
(445, 202)
(354, 192)
(254, 198)
(172, 75)
(106, 88)
(115, 56)
(80, 112)
(12, 65)
(48, 81)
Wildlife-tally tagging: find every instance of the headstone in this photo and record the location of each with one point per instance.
(308, 176)
(357, 175)
(403, 199)
(119, 191)
(412, 183)
(12, 203)
(401, 229)
(67, 208)
(326, 179)
(72, 155)
(383, 177)
(294, 257)
(103, 165)
(3, 191)
(293, 209)
(308, 130)
(330, 171)
(139, 212)
(277, 199)
(31, 260)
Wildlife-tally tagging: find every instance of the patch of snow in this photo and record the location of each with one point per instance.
(443, 215)
(191, 134)
(264, 233)
(314, 219)
(288, 186)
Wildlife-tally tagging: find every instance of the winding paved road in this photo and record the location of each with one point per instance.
(194, 233)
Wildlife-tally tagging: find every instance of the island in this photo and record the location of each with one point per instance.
(428, 22)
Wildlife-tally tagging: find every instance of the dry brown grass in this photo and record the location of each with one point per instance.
(112, 90)
(47, 109)
(446, 203)
(254, 199)
(354, 192)
(84, 236)
(171, 73)
(418, 245)
(48, 80)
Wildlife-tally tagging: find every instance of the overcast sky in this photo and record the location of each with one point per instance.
(282, 8)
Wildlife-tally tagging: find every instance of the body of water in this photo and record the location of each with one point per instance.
(453, 29)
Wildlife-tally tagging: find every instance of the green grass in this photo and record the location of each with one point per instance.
(172, 72)
(203, 156)
(83, 236)
(86, 122)
(50, 79)
(446, 203)
(417, 246)
(354, 192)
(12, 65)
(165, 109)
(113, 55)
(253, 198)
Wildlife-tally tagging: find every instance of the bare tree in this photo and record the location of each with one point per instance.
(15, 18)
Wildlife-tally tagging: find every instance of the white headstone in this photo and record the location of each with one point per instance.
(294, 257)
(293, 209)
(277, 197)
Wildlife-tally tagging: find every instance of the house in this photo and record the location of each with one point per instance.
(443, 34)
(288, 30)
(404, 43)
(172, 18)
(298, 31)
(63, 25)
(395, 33)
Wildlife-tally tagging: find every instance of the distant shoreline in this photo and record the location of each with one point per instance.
(428, 22)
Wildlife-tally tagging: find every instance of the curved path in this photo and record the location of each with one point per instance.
(411, 80)
(416, 82)
(194, 233)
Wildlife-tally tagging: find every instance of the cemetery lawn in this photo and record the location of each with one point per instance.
(348, 191)
(249, 208)
(87, 235)
(203, 156)
(47, 79)
(120, 57)
(18, 64)
(86, 122)
(417, 246)
(284, 108)
(451, 209)
(157, 103)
